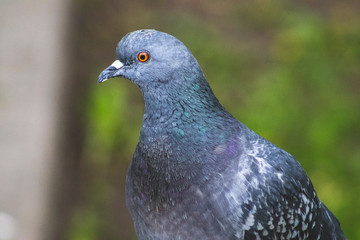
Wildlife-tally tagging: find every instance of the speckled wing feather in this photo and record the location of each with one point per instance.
(280, 202)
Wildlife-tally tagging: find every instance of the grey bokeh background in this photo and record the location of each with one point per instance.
(33, 49)
(288, 70)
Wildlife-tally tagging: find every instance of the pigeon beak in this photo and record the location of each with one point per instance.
(110, 72)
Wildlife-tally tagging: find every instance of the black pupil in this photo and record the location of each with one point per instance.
(142, 56)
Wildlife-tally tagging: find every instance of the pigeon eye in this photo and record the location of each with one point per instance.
(143, 56)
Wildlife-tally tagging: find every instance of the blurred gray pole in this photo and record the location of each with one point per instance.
(32, 72)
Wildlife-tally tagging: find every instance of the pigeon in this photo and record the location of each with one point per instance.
(199, 173)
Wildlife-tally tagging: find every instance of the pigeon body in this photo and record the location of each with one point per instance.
(197, 172)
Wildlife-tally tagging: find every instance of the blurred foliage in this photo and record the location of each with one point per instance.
(288, 70)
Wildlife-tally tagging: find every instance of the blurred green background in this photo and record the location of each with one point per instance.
(289, 70)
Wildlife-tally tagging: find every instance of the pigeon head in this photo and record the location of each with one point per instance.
(165, 71)
(150, 58)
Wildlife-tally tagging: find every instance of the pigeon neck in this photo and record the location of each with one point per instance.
(168, 103)
(188, 115)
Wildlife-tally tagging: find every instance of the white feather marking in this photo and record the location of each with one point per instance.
(250, 220)
(305, 198)
(304, 226)
(279, 175)
(260, 227)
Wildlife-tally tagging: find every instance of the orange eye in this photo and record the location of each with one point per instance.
(143, 56)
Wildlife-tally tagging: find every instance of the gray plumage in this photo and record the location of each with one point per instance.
(197, 172)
